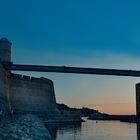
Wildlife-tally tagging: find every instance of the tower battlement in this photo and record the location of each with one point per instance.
(40, 80)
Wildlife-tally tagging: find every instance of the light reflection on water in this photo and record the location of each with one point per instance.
(89, 130)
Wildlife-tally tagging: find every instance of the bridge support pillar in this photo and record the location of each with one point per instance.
(138, 100)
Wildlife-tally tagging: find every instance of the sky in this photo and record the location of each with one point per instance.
(99, 33)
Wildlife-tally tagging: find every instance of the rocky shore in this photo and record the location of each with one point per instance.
(23, 127)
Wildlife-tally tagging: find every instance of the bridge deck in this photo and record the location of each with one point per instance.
(77, 70)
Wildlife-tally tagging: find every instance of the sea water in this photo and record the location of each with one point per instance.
(95, 130)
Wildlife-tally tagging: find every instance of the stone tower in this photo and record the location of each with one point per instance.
(5, 57)
(5, 50)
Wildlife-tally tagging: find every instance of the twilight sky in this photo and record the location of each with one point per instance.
(87, 33)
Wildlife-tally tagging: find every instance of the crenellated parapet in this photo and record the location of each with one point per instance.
(41, 80)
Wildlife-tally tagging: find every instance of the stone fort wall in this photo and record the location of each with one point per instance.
(29, 94)
(4, 91)
(25, 94)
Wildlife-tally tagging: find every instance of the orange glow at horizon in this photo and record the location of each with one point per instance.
(114, 109)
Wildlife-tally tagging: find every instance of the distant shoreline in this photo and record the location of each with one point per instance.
(122, 118)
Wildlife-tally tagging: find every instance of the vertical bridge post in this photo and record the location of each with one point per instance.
(138, 100)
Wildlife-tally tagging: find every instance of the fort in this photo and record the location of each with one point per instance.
(20, 94)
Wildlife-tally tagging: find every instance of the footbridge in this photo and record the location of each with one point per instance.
(76, 70)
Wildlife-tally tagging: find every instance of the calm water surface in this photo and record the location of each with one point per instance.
(92, 130)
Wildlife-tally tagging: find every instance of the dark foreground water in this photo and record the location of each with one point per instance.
(92, 130)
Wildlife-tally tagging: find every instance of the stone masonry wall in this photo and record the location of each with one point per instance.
(4, 91)
(29, 94)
